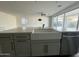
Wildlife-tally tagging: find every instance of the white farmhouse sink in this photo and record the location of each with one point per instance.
(45, 34)
(43, 30)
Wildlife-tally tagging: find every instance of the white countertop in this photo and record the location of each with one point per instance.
(27, 30)
(17, 30)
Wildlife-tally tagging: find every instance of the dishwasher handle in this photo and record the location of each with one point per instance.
(70, 36)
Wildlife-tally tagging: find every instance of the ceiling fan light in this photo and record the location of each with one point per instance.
(39, 19)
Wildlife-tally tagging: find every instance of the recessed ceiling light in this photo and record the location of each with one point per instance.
(59, 5)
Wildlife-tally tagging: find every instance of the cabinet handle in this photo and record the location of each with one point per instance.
(4, 37)
(21, 40)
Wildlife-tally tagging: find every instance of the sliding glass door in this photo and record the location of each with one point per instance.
(71, 20)
(57, 22)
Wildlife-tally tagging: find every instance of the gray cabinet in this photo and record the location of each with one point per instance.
(53, 48)
(37, 50)
(5, 44)
(22, 44)
(45, 47)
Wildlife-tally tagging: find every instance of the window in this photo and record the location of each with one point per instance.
(54, 22)
(24, 22)
(60, 22)
(57, 22)
(67, 22)
(71, 19)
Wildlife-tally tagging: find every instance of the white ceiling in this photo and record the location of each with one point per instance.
(33, 7)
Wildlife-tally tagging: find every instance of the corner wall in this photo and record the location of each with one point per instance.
(7, 21)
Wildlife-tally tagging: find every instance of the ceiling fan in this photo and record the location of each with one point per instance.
(41, 14)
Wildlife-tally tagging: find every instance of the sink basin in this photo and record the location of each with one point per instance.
(44, 34)
(43, 30)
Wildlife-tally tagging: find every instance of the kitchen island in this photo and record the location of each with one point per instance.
(24, 43)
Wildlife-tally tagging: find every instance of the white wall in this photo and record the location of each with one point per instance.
(7, 21)
(32, 21)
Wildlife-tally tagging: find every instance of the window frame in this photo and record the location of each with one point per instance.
(64, 19)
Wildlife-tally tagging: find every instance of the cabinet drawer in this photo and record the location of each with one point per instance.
(4, 35)
(20, 40)
(45, 41)
(21, 36)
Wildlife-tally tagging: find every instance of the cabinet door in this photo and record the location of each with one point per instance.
(22, 47)
(53, 48)
(37, 50)
(22, 44)
(5, 45)
(45, 47)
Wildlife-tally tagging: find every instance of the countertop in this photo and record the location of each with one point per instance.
(18, 30)
(27, 30)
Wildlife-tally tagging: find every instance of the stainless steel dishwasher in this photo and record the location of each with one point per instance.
(69, 43)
